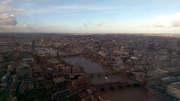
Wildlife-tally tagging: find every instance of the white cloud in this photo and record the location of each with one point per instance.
(12, 15)
(8, 14)
(85, 25)
(166, 21)
(6, 19)
(25, 25)
(101, 24)
(7, 9)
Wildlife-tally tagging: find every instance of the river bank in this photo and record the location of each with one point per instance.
(160, 94)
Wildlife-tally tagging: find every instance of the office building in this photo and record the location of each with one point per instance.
(24, 54)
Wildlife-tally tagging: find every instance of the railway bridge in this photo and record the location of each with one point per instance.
(117, 84)
(101, 73)
(64, 55)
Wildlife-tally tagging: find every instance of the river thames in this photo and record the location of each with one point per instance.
(121, 94)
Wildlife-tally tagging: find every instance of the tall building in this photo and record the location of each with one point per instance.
(33, 45)
(43, 59)
(57, 54)
(24, 54)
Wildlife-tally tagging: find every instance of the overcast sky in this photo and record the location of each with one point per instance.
(90, 16)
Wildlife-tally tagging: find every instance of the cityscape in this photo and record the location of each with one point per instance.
(89, 50)
(66, 67)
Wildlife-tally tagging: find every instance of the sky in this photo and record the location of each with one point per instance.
(90, 16)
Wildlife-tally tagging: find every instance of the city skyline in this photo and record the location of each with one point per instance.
(90, 16)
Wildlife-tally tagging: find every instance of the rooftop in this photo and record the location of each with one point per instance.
(175, 85)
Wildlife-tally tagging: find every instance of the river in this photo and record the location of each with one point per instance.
(52, 52)
(121, 94)
(93, 67)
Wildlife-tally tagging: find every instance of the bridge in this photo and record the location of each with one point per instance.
(104, 86)
(117, 84)
(64, 55)
(100, 73)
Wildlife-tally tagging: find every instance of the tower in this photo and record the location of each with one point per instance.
(57, 54)
(33, 45)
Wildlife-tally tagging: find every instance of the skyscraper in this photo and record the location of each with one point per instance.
(33, 45)
(57, 54)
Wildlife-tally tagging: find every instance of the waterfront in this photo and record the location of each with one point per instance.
(52, 52)
(88, 65)
(122, 94)
(130, 94)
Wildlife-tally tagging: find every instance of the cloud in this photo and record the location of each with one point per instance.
(85, 25)
(166, 21)
(87, 7)
(8, 14)
(6, 1)
(64, 26)
(71, 7)
(6, 19)
(35, 25)
(101, 24)
(25, 25)
(108, 26)
(7, 9)
(31, 28)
